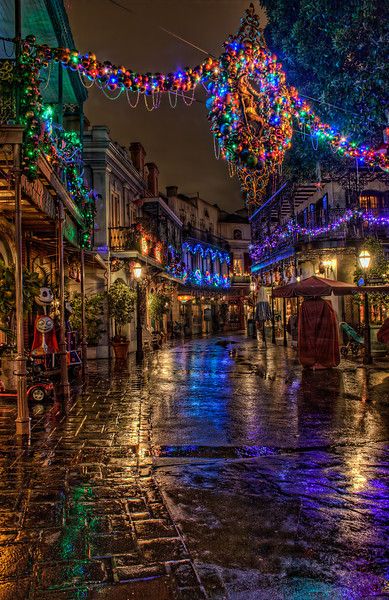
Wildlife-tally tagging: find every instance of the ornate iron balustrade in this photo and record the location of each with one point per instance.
(137, 239)
(123, 239)
(205, 236)
(7, 93)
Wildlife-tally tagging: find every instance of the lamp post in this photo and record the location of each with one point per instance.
(253, 288)
(364, 260)
(137, 271)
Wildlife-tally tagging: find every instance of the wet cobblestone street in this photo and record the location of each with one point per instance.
(218, 470)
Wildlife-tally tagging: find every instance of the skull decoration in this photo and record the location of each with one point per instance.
(45, 297)
(44, 324)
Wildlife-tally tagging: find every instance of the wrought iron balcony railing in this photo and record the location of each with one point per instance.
(136, 238)
(206, 237)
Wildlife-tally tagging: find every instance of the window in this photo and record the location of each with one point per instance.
(115, 209)
(312, 214)
(369, 201)
(237, 234)
(206, 213)
(238, 266)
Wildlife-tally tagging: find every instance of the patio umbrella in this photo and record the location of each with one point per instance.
(315, 287)
(318, 344)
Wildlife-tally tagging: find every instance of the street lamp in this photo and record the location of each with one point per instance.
(137, 271)
(364, 260)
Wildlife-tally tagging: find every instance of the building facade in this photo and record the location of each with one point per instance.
(41, 130)
(320, 229)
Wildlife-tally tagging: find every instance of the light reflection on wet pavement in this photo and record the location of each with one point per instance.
(219, 470)
(278, 478)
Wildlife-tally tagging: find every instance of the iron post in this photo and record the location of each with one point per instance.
(139, 336)
(23, 421)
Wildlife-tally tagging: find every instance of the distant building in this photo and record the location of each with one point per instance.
(133, 225)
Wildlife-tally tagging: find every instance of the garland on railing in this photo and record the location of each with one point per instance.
(62, 149)
(177, 268)
(282, 234)
(205, 251)
(251, 109)
(207, 279)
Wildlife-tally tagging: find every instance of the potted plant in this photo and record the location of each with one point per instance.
(31, 287)
(121, 305)
(94, 313)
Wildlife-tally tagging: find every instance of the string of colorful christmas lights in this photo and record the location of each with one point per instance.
(250, 108)
(177, 268)
(204, 251)
(282, 234)
(207, 279)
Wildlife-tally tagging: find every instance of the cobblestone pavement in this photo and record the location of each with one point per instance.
(80, 515)
(218, 470)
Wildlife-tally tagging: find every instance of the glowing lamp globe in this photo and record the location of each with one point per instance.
(137, 271)
(364, 259)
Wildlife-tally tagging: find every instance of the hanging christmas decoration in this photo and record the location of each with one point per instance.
(250, 107)
(63, 150)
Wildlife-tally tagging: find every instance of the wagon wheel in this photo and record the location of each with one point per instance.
(38, 394)
(355, 349)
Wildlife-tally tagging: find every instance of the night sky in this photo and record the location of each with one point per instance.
(177, 140)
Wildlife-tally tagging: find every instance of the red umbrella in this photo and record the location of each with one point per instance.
(315, 287)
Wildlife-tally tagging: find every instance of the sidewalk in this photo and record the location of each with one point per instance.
(81, 516)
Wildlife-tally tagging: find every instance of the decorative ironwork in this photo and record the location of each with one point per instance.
(7, 92)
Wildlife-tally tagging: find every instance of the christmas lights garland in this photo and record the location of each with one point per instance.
(196, 277)
(250, 108)
(207, 279)
(62, 149)
(258, 251)
(205, 251)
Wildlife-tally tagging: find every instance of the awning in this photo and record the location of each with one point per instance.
(315, 287)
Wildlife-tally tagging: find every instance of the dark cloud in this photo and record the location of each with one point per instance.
(178, 140)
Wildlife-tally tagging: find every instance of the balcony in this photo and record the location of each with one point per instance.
(239, 280)
(192, 233)
(354, 229)
(136, 240)
(52, 168)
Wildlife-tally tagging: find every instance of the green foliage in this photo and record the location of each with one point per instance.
(121, 303)
(94, 311)
(159, 304)
(378, 269)
(31, 287)
(335, 52)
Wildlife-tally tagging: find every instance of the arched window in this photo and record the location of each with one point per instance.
(237, 234)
